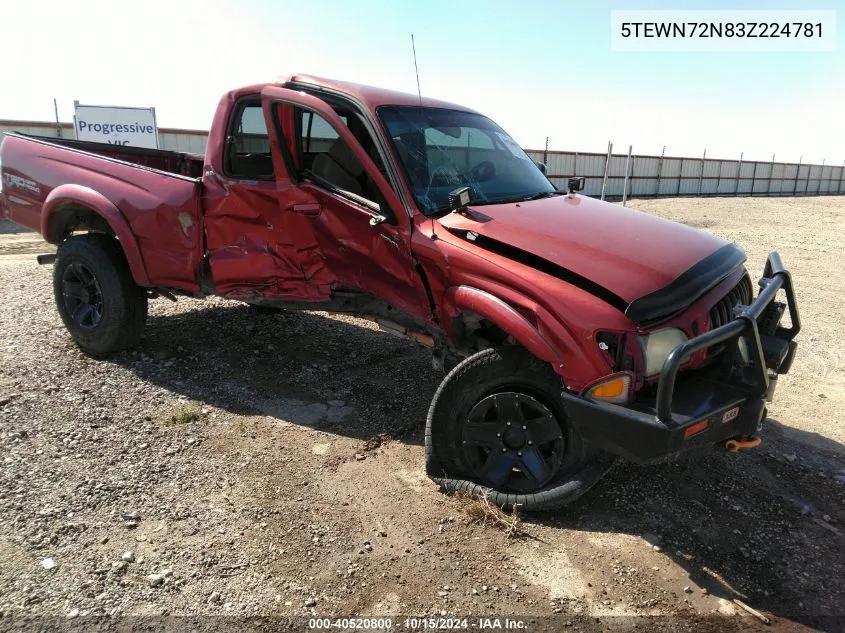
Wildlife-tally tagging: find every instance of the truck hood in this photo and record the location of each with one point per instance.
(619, 252)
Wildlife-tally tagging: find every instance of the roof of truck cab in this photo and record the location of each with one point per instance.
(371, 96)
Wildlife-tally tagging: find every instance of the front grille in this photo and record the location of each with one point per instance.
(722, 312)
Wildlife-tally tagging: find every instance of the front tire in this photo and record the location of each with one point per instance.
(496, 428)
(100, 304)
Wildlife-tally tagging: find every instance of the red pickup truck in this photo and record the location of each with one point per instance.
(582, 331)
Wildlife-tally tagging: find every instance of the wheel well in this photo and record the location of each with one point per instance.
(73, 218)
(472, 333)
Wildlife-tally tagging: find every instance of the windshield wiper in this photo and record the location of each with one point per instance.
(445, 210)
(533, 196)
(544, 194)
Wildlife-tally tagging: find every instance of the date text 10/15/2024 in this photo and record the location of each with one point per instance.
(417, 624)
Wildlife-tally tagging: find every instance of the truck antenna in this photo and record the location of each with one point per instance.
(416, 68)
(419, 94)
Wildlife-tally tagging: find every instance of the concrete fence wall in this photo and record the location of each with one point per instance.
(648, 176)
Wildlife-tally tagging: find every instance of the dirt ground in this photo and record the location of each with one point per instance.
(251, 465)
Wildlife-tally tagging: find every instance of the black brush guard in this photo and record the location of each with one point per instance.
(730, 397)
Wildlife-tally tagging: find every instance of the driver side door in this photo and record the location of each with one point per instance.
(359, 230)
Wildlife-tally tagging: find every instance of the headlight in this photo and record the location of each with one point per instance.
(657, 346)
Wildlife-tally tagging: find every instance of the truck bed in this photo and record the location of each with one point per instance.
(151, 198)
(182, 163)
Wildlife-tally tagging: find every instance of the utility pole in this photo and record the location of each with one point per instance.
(659, 170)
(625, 186)
(58, 125)
(771, 173)
(606, 165)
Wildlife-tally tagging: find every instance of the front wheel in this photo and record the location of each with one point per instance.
(496, 428)
(100, 304)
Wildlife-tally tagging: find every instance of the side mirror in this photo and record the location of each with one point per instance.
(541, 167)
(576, 183)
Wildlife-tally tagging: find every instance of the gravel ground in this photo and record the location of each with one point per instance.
(251, 464)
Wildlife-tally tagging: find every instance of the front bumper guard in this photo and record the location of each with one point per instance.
(729, 397)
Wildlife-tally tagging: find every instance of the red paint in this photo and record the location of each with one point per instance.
(286, 239)
(64, 195)
(503, 315)
(628, 252)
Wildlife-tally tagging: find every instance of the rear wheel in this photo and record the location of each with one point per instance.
(100, 304)
(496, 428)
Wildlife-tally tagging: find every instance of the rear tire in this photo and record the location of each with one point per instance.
(100, 304)
(496, 428)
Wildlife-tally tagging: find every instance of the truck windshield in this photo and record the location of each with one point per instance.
(442, 150)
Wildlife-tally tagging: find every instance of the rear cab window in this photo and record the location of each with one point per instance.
(247, 152)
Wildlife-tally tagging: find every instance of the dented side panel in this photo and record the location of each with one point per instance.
(169, 236)
(258, 247)
(373, 259)
(327, 235)
(161, 209)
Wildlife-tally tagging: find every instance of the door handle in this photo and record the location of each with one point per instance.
(389, 240)
(306, 208)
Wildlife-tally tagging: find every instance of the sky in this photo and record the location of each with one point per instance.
(539, 69)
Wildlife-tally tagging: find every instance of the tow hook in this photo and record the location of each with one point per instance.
(734, 446)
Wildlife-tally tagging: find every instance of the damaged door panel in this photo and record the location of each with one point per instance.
(253, 250)
(357, 225)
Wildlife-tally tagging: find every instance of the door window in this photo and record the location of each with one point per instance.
(317, 134)
(248, 144)
(329, 159)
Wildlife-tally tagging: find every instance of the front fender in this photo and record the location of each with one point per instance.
(65, 199)
(504, 316)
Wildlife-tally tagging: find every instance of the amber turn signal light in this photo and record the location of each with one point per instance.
(695, 429)
(612, 389)
(615, 388)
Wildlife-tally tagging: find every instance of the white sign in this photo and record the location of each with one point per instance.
(116, 125)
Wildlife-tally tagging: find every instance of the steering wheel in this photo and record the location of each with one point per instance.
(444, 175)
(483, 171)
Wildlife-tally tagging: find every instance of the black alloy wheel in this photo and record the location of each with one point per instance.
(100, 304)
(82, 296)
(513, 442)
